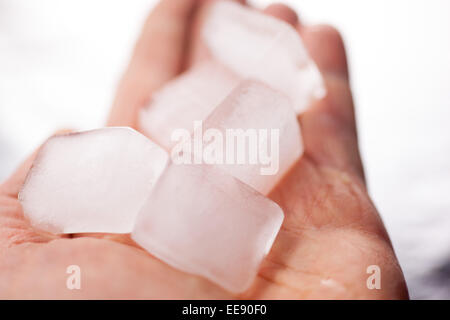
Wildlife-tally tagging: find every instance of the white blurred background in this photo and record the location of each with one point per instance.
(60, 62)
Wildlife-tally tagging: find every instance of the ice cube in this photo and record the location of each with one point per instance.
(253, 135)
(189, 97)
(203, 221)
(94, 181)
(255, 45)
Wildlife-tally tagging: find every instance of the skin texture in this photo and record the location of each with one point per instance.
(331, 234)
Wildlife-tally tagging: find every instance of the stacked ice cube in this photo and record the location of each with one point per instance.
(206, 214)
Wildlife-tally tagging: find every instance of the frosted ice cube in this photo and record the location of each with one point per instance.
(94, 181)
(255, 45)
(189, 97)
(203, 221)
(253, 135)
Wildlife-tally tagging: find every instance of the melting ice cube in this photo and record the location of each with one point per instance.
(255, 45)
(253, 135)
(94, 181)
(188, 98)
(203, 221)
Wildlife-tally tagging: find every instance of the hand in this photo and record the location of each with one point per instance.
(331, 233)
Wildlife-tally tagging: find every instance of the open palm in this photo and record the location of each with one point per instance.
(331, 233)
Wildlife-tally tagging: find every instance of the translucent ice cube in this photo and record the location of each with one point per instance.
(189, 97)
(203, 221)
(253, 135)
(94, 181)
(255, 45)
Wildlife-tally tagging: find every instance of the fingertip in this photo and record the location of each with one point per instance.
(282, 12)
(326, 47)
